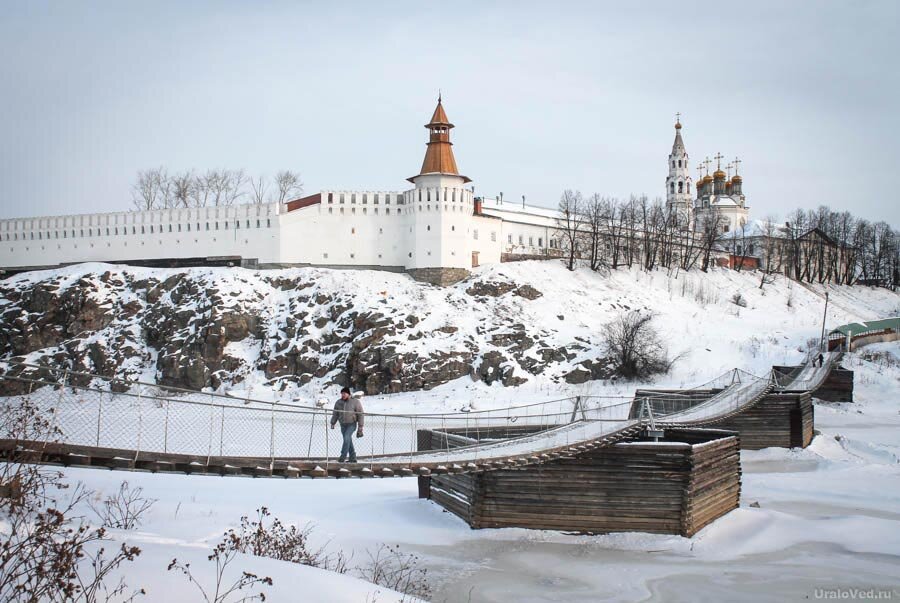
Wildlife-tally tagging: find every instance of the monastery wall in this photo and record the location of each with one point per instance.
(248, 231)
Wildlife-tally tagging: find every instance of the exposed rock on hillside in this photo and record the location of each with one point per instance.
(214, 328)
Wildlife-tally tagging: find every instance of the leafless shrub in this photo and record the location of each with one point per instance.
(222, 592)
(881, 358)
(271, 538)
(634, 347)
(45, 552)
(391, 568)
(124, 509)
(739, 300)
(265, 536)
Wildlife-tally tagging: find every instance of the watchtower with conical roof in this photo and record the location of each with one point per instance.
(442, 209)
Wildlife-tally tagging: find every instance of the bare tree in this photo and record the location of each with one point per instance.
(710, 235)
(151, 191)
(182, 186)
(595, 219)
(287, 185)
(259, 189)
(571, 224)
(224, 187)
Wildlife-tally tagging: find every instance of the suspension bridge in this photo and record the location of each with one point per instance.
(98, 421)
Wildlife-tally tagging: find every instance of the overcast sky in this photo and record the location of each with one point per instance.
(545, 96)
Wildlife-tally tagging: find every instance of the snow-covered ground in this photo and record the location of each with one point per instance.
(828, 516)
(828, 520)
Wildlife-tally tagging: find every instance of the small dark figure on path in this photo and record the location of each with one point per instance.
(820, 359)
(349, 412)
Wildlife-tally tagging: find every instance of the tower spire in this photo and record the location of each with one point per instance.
(439, 153)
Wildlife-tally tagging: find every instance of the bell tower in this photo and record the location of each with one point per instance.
(678, 182)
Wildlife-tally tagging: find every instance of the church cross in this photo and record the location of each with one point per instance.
(728, 169)
(678, 118)
(736, 162)
(706, 162)
(700, 170)
(718, 159)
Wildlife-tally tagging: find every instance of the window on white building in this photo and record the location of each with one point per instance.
(365, 199)
(509, 239)
(475, 234)
(331, 197)
(521, 240)
(493, 236)
(540, 242)
(530, 241)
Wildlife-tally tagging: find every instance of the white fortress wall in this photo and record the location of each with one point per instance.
(347, 228)
(248, 231)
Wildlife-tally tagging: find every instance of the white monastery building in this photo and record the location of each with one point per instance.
(436, 231)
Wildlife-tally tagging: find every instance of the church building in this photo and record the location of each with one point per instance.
(719, 197)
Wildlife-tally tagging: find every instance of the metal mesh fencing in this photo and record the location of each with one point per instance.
(147, 418)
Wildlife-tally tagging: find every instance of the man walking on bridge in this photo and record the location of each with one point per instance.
(349, 412)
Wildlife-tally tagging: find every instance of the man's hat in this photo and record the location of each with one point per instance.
(345, 390)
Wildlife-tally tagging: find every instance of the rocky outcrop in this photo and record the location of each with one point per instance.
(214, 328)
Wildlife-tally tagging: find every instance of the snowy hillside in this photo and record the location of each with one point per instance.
(299, 334)
(820, 518)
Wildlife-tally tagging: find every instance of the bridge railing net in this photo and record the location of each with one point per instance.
(148, 418)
